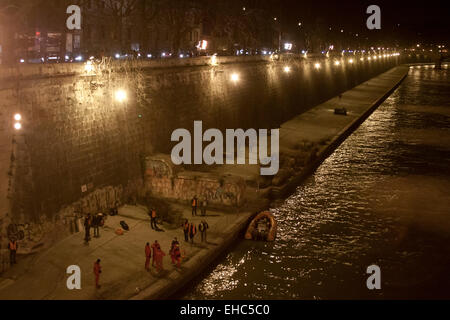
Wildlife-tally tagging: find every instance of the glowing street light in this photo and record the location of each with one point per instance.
(235, 77)
(88, 67)
(336, 63)
(17, 117)
(287, 69)
(213, 61)
(350, 61)
(317, 65)
(121, 95)
(17, 126)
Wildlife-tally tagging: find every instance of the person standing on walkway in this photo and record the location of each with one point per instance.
(97, 271)
(186, 230)
(153, 219)
(194, 204)
(96, 225)
(172, 247)
(12, 251)
(203, 205)
(192, 232)
(159, 259)
(203, 226)
(155, 247)
(87, 227)
(148, 255)
(176, 255)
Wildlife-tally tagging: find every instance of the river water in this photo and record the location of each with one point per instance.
(383, 197)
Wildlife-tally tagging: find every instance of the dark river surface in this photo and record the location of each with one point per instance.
(383, 197)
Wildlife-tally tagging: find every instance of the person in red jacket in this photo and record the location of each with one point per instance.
(159, 259)
(148, 255)
(97, 271)
(155, 247)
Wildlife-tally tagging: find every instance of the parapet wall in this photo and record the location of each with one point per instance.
(162, 179)
(80, 149)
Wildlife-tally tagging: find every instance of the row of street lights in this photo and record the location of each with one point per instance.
(121, 96)
(317, 65)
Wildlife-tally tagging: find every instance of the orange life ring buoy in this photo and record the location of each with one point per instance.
(252, 227)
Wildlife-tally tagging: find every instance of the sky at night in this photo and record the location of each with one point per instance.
(412, 19)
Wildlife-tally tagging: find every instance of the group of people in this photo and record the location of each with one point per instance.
(152, 252)
(195, 204)
(95, 222)
(190, 230)
(156, 252)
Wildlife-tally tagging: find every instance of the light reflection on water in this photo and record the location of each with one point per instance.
(382, 198)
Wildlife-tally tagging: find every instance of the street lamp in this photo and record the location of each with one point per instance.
(88, 67)
(287, 69)
(17, 117)
(235, 77)
(121, 95)
(317, 65)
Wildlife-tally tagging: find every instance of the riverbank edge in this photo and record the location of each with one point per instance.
(197, 264)
(336, 141)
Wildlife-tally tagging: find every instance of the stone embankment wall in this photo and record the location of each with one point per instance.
(80, 149)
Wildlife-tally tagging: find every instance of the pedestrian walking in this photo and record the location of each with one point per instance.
(148, 255)
(194, 204)
(186, 230)
(12, 251)
(153, 219)
(192, 232)
(202, 227)
(203, 205)
(87, 227)
(155, 247)
(97, 271)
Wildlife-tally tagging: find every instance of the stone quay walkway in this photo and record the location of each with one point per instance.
(43, 276)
